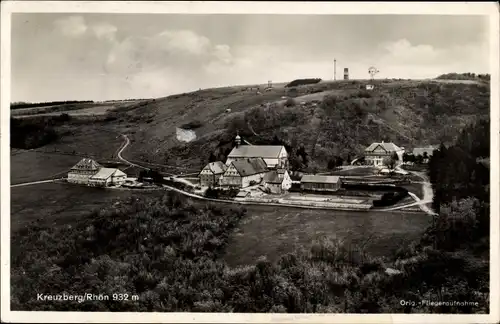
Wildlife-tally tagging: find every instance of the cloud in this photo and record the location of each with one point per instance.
(403, 51)
(105, 31)
(183, 41)
(72, 26)
(179, 50)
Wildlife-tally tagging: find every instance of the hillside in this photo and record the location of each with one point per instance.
(317, 122)
(325, 120)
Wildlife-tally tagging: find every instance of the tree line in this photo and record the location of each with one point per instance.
(19, 105)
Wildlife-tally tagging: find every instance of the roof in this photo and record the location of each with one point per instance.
(242, 194)
(250, 166)
(86, 165)
(389, 147)
(105, 173)
(273, 177)
(309, 178)
(252, 151)
(216, 167)
(421, 150)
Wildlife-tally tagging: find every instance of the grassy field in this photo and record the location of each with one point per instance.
(56, 158)
(92, 141)
(80, 108)
(30, 166)
(273, 231)
(59, 203)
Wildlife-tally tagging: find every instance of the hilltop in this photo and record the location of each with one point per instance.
(317, 122)
(323, 120)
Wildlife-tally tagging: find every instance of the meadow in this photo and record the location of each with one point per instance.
(274, 231)
(27, 166)
(61, 203)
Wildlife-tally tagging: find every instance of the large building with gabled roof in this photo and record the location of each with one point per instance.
(91, 173)
(106, 177)
(244, 172)
(275, 156)
(83, 171)
(377, 152)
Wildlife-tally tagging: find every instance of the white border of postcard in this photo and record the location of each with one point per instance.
(490, 9)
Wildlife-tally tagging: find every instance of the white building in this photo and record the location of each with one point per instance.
(275, 156)
(278, 181)
(244, 172)
(377, 152)
(106, 177)
(83, 171)
(91, 173)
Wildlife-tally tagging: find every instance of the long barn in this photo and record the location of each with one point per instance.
(320, 183)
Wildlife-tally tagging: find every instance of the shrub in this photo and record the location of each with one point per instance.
(290, 102)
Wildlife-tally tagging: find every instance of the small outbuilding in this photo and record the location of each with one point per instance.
(277, 181)
(311, 182)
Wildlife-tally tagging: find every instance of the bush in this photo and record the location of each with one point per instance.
(290, 102)
(192, 125)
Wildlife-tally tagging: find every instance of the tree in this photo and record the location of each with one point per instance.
(212, 157)
(419, 159)
(390, 162)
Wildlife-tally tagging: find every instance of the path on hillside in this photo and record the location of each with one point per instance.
(127, 143)
(421, 203)
(33, 183)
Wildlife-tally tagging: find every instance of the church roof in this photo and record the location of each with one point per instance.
(254, 151)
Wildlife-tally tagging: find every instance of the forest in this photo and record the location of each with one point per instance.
(32, 133)
(168, 252)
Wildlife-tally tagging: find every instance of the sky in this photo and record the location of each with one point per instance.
(121, 56)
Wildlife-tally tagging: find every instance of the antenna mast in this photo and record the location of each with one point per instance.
(334, 69)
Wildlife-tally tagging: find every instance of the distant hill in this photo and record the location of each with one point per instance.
(328, 119)
(464, 76)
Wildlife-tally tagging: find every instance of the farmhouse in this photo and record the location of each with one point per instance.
(242, 173)
(277, 181)
(91, 173)
(83, 171)
(275, 156)
(211, 174)
(320, 183)
(377, 152)
(106, 177)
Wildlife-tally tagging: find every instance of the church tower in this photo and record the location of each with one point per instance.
(237, 140)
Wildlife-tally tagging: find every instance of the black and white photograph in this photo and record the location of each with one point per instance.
(249, 162)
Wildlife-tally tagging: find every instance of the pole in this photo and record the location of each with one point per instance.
(334, 69)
